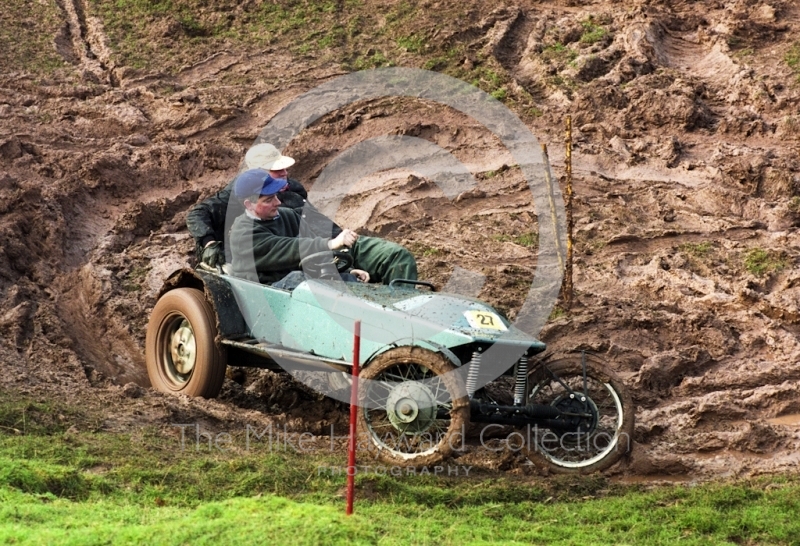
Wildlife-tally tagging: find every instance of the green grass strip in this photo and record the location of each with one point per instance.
(101, 488)
(67, 487)
(713, 514)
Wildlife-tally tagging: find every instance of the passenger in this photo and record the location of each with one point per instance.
(384, 260)
(266, 244)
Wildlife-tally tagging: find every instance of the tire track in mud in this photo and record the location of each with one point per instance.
(686, 52)
(208, 68)
(506, 39)
(681, 52)
(89, 42)
(648, 244)
(101, 340)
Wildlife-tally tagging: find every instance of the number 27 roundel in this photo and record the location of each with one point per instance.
(484, 320)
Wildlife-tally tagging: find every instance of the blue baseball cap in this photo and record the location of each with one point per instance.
(256, 182)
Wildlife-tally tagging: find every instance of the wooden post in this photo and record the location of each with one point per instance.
(570, 223)
(552, 198)
(351, 447)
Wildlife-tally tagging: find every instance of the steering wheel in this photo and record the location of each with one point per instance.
(319, 265)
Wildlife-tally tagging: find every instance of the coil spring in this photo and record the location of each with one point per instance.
(472, 375)
(521, 381)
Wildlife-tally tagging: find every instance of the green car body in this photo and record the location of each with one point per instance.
(425, 358)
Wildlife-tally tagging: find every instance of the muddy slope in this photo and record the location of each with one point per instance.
(687, 176)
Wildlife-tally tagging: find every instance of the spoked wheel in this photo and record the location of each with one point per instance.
(181, 354)
(596, 423)
(412, 413)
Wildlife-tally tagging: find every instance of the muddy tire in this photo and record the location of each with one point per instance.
(600, 430)
(181, 355)
(412, 412)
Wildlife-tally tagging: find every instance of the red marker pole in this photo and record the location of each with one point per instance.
(351, 448)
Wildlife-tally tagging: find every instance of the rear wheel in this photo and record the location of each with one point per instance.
(412, 411)
(182, 356)
(596, 423)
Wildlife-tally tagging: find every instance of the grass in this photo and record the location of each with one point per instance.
(134, 278)
(535, 112)
(373, 59)
(445, 61)
(486, 74)
(557, 313)
(333, 38)
(167, 35)
(27, 31)
(499, 94)
(419, 249)
(737, 43)
(96, 487)
(559, 52)
(656, 518)
(792, 59)
(331, 27)
(592, 32)
(528, 239)
(400, 15)
(436, 63)
(762, 262)
(698, 250)
(569, 85)
(791, 125)
(706, 257)
(489, 79)
(411, 44)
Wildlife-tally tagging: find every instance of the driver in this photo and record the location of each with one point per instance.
(384, 259)
(266, 244)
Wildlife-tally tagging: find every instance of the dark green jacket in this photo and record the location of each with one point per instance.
(209, 220)
(267, 250)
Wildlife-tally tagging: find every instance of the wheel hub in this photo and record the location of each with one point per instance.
(581, 411)
(183, 348)
(411, 407)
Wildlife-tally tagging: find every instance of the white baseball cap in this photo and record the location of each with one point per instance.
(266, 156)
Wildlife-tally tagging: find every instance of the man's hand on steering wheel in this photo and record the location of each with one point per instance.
(347, 238)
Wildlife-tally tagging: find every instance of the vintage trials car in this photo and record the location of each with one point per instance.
(570, 414)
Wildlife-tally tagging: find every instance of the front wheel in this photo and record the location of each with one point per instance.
(596, 424)
(182, 356)
(413, 411)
